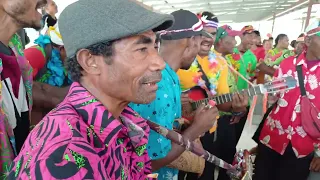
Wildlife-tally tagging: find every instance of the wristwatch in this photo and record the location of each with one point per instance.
(237, 113)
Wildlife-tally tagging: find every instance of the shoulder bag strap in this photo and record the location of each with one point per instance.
(301, 80)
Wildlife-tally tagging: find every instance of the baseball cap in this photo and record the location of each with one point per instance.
(55, 35)
(247, 29)
(186, 25)
(313, 28)
(88, 22)
(226, 30)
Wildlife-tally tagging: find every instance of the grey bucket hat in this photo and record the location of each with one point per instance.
(88, 22)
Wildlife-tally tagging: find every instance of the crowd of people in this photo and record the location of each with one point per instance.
(77, 104)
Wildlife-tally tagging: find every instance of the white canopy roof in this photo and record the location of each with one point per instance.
(231, 10)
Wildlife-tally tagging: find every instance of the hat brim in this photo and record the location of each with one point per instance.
(248, 32)
(182, 35)
(300, 39)
(206, 34)
(159, 22)
(234, 33)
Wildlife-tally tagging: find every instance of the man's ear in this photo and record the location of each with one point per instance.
(307, 41)
(89, 62)
(191, 42)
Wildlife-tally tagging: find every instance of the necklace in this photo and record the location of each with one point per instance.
(213, 74)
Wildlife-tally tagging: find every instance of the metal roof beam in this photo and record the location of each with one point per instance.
(298, 4)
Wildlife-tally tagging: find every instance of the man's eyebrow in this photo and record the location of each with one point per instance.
(144, 40)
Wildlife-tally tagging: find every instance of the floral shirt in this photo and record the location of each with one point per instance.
(246, 66)
(52, 71)
(231, 81)
(80, 139)
(163, 111)
(283, 125)
(217, 73)
(215, 68)
(276, 56)
(7, 138)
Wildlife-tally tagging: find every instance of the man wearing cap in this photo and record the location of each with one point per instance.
(243, 59)
(47, 60)
(244, 62)
(215, 69)
(93, 134)
(286, 149)
(213, 66)
(225, 145)
(178, 47)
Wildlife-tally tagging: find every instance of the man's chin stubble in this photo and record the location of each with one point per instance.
(23, 24)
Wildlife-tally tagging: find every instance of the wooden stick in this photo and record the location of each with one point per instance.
(191, 146)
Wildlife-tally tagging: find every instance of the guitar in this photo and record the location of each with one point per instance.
(243, 161)
(199, 95)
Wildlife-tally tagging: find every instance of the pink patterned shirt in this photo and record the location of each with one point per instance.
(80, 139)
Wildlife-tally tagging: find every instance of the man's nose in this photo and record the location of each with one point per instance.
(157, 63)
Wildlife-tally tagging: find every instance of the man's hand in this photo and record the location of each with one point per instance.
(315, 164)
(235, 119)
(187, 109)
(205, 118)
(239, 102)
(263, 67)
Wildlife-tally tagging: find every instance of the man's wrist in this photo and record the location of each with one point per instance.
(237, 113)
(191, 133)
(241, 109)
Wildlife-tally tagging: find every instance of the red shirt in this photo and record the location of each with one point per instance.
(260, 53)
(283, 125)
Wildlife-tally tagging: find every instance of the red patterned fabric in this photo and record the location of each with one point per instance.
(284, 125)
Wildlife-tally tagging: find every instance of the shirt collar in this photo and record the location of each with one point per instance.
(200, 58)
(101, 121)
(302, 60)
(216, 52)
(207, 57)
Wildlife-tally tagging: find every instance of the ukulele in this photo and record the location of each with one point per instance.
(199, 95)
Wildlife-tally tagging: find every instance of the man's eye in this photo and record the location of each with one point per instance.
(143, 49)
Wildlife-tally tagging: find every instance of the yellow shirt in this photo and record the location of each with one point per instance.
(187, 76)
